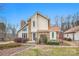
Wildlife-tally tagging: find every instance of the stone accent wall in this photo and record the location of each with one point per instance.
(49, 27)
(29, 31)
(46, 33)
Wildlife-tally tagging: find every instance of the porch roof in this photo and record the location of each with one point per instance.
(43, 31)
(55, 28)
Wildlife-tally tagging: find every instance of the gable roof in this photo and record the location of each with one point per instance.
(22, 28)
(72, 30)
(37, 13)
(43, 16)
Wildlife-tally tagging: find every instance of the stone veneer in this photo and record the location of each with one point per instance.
(46, 33)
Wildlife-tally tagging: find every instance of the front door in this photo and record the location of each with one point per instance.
(34, 36)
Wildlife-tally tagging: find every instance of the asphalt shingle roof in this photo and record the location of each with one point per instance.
(72, 30)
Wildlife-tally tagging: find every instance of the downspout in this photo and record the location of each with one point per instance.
(37, 28)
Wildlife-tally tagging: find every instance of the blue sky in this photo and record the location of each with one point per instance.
(14, 13)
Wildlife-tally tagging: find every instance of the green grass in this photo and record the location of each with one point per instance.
(53, 43)
(65, 51)
(50, 51)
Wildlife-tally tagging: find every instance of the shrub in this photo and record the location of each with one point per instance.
(68, 39)
(53, 42)
(65, 38)
(9, 45)
(20, 40)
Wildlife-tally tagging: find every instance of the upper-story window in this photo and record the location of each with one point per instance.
(33, 23)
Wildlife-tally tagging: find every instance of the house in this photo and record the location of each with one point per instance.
(36, 26)
(72, 33)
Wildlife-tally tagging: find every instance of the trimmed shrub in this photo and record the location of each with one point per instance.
(20, 40)
(65, 38)
(68, 39)
(53, 42)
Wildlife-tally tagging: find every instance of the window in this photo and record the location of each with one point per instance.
(34, 36)
(52, 34)
(24, 35)
(33, 23)
(25, 29)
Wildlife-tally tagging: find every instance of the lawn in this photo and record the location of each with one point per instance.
(46, 50)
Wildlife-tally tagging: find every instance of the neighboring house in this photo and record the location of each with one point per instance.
(72, 33)
(36, 26)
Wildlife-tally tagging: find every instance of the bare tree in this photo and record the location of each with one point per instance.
(56, 20)
(11, 31)
(2, 24)
(62, 24)
(77, 19)
(68, 21)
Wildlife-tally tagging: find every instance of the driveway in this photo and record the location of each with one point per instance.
(76, 42)
(72, 43)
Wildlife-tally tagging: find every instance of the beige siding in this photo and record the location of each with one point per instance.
(42, 23)
(70, 35)
(34, 18)
(21, 31)
(77, 36)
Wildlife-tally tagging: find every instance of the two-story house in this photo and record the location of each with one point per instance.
(36, 26)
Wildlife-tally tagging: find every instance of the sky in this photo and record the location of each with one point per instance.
(15, 12)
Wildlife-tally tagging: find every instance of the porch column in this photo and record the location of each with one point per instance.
(73, 36)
